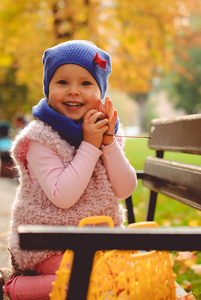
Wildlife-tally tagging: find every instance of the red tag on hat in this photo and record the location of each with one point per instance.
(101, 62)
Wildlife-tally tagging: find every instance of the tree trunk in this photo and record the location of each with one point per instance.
(141, 100)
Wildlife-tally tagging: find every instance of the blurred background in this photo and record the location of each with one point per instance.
(155, 48)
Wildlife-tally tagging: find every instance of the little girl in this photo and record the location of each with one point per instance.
(70, 163)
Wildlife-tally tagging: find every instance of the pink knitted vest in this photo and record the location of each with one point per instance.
(32, 206)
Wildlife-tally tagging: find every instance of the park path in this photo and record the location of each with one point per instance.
(7, 194)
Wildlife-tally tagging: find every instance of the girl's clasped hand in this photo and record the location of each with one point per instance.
(99, 122)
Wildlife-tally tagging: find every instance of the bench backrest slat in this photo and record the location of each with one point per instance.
(182, 134)
(176, 180)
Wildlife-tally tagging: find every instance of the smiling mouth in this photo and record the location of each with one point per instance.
(74, 104)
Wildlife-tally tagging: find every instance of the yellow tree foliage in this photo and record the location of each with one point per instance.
(27, 28)
(25, 31)
(144, 38)
(137, 34)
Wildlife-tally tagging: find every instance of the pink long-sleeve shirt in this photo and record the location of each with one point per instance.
(46, 167)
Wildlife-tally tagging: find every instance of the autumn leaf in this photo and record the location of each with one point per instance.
(188, 258)
(196, 269)
(187, 285)
(187, 297)
(193, 223)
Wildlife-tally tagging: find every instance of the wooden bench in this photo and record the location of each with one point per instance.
(179, 181)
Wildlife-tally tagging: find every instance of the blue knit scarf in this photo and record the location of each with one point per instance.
(67, 128)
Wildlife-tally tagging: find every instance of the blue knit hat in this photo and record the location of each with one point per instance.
(82, 53)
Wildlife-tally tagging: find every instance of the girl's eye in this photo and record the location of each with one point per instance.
(86, 83)
(62, 82)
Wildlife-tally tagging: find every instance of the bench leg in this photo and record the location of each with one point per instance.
(80, 274)
(130, 213)
(152, 206)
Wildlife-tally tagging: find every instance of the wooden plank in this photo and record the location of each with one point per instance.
(62, 238)
(181, 134)
(176, 180)
(140, 174)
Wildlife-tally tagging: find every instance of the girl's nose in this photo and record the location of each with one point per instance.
(73, 90)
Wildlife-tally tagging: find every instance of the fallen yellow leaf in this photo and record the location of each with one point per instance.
(193, 223)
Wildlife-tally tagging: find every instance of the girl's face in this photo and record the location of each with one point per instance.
(73, 91)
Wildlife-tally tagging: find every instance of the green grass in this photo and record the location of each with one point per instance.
(168, 211)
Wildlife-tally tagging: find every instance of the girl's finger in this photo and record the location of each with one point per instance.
(99, 105)
(89, 114)
(114, 118)
(95, 117)
(106, 103)
(110, 109)
(106, 106)
(101, 123)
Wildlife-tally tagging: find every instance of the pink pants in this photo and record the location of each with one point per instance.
(35, 287)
